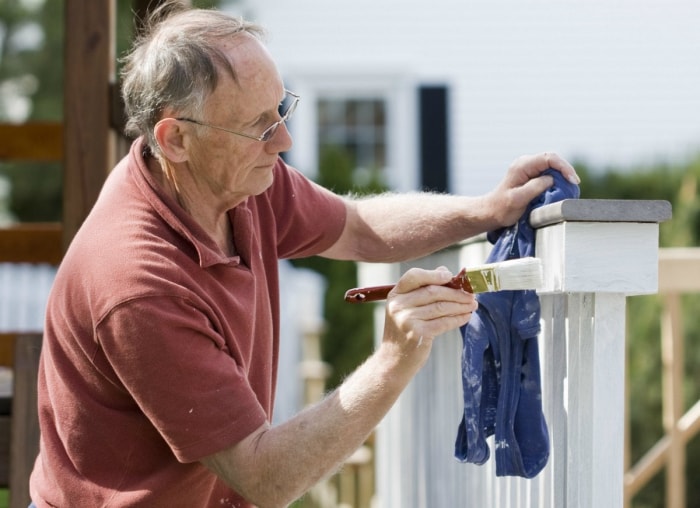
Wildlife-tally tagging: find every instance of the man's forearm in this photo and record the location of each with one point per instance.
(390, 228)
(290, 458)
(393, 227)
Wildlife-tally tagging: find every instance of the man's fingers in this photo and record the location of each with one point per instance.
(554, 161)
(416, 278)
(421, 307)
(536, 186)
(534, 165)
(423, 323)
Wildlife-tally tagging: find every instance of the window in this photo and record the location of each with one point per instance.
(367, 123)
(358, 127)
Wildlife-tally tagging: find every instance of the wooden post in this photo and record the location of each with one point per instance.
(24, 444)
(595, 253)
(673, 403)
(89, 143)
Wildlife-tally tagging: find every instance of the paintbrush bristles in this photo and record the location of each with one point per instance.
(524, 273)
(514, 274)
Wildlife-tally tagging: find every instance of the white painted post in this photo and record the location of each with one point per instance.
(595, 253)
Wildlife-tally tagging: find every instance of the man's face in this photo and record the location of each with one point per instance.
(234, 167)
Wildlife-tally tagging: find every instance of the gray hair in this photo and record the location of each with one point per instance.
(176, 62)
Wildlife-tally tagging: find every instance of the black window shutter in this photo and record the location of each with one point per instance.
(434, 160)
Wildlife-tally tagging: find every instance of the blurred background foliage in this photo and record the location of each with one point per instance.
(31, 81)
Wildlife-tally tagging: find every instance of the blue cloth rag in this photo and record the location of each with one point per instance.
(500, 361)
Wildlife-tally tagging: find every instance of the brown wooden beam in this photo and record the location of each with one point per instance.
(89, 143)
(7, 349)
(24, 446)
(32, 243)
(679, 270)
(35, 141)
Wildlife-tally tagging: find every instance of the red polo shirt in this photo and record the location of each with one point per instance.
(160, 350)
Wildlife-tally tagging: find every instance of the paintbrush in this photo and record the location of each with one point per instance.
(514, 274)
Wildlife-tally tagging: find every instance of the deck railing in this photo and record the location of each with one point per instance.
(595, 254)
(679, 273)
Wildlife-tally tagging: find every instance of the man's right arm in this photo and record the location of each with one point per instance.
(276, 465)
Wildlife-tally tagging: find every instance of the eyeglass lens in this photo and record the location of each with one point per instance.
(285, 110)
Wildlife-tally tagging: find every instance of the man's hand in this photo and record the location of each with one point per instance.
(420, 308)
(524, 182)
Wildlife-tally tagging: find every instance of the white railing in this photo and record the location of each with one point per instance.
(595, 253)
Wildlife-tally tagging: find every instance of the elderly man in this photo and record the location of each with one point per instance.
(160, 353)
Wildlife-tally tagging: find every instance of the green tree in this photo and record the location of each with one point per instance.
(31, 74)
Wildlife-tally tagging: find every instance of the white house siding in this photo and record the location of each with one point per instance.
(403, 44)
(609, 82)
(395, 46)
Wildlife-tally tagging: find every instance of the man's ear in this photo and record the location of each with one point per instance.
(169, 134)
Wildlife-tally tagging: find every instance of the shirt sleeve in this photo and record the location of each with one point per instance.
(309, 218)
(181, 375)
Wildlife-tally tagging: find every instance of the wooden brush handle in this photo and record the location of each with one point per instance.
(368, 294)
(376, 293)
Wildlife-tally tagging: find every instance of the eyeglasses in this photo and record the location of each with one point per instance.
(286, 110)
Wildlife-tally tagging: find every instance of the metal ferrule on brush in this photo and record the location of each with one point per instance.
(482, 281)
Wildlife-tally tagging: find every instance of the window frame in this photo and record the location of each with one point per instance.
(401, 138)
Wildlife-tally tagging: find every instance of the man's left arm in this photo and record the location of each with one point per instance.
(399, 227)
